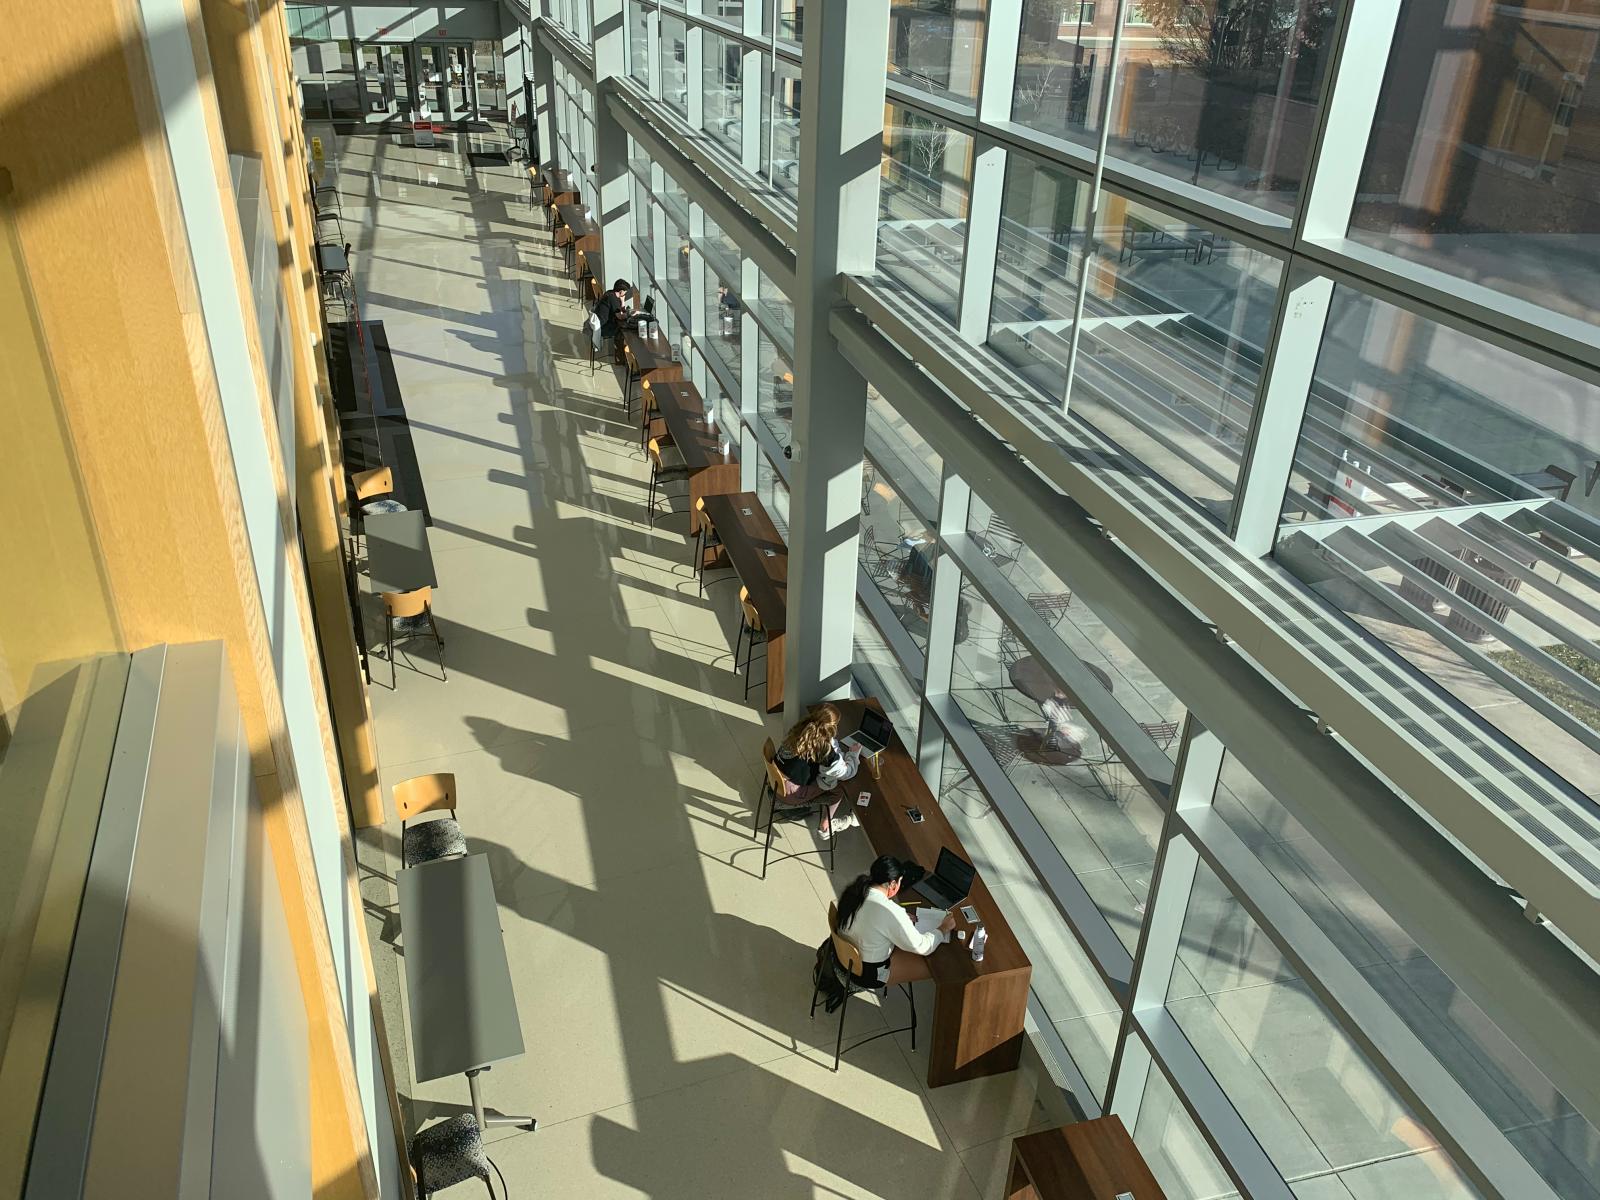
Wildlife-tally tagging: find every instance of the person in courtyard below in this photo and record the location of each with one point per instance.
(812, 762)
(872, 918)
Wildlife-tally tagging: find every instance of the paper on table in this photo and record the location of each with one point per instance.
(927, 919)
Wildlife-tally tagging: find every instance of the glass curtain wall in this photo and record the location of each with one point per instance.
(1419, 420)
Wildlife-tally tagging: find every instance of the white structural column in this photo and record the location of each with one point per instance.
(610, 139)
(749, 372)
(841, 148)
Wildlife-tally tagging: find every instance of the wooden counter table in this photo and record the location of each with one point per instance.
(978, 1007)
(682, 418)
(1088, 1160)
(560, 188)
(654, 356)
(748, 535)
(585, 233)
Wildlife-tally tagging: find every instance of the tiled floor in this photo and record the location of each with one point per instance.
(607, 763)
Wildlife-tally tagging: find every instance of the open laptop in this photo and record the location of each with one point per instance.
(950, 882)
(871, 734)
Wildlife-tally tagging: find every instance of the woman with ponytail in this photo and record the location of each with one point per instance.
(870, 916)
(811, 762)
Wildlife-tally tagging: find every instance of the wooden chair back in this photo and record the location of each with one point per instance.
(751, 617)
(425, 793)
(846, 951)
(649, 396)
(775, 777)
(655, 452)
(564, 235)
(768, 751)
(407, 604)
(377, 482)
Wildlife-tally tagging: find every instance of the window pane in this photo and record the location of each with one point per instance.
(1494, 609)
(774, 389)
(896, 551)
(1550, 1134)
(878, 674)
(1305, 1089)
(1075, 999)
(1175, 385)
(722, 111)
(786, 129)
(1137, 688)
(674, 63)
(1481, 161)
(790, 22)
(776, 305)
(899, 449)
(922, 206)
(723, 324)
(1104, 828)
(1171, 1143)
(643, 223)
(774, 494)
(935, 44)
(638, 42)
(1042, 216)
(1222, 95)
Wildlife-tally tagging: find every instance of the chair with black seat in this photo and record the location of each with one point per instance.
(449, 1153)
(851, 976)
(425, 841)
(661, 472)
(372, 493)
(634, 373)
(406, 615)
(787, 814)
(749, 625)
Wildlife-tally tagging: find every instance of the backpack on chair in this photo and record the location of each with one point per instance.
(828, 977)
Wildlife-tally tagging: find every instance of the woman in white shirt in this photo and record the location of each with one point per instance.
(871, 917)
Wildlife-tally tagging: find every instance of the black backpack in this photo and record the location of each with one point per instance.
(829, 977)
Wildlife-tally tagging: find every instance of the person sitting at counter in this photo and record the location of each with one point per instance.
(812, 762)
(611, 310)
(892, 948)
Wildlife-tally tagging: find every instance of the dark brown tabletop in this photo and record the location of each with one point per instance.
(651, 353)
(575, 219)
(683, 410)
(558, 179)
(756, 551)
(900, 787)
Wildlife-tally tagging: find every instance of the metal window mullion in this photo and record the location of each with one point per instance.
(1298, 324)
(653, 42)
(752, 68)
(1092, 217)
(1001, 40)
(749, 375)
(697, 278)
(694, 76)
(980, 257)
(944, 604)
(1398, 1055)
(1155, 958)
(1352, 85)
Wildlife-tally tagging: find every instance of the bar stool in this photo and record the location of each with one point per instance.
(633, 373)
(373, 495)
(564, 243)
(661, 472)
(406, 615)
(581, 275)
(749, 623)
(648, 406)
(704, 540)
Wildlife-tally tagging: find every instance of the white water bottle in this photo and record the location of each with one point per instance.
(980, 938)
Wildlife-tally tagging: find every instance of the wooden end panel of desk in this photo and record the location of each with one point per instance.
(978, 1026)
(774, 672)
(1088, 1160)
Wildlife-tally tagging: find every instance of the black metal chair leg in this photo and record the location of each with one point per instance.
(755, 827)
(738, 644)
(838, 1045)
(911, 998)
(652, 497)
(388, 633)
(773, 812)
